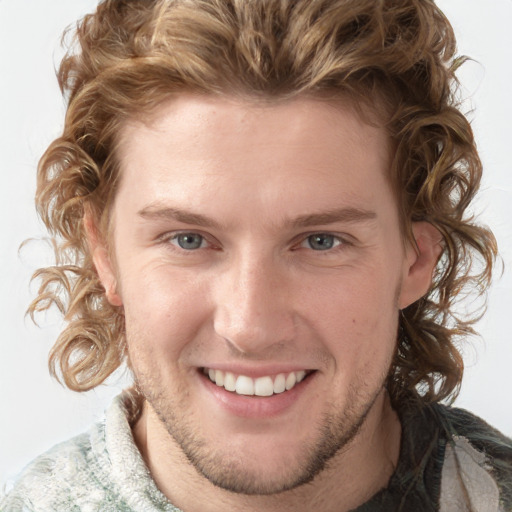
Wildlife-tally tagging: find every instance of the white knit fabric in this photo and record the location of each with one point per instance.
(99, 471)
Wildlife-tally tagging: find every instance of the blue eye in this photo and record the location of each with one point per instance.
(188, 241)
(322, 241)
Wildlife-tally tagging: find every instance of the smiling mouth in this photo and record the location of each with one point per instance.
(262, 386)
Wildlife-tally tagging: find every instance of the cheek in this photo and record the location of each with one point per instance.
(163, 309)
(357, 311)
(363, 293)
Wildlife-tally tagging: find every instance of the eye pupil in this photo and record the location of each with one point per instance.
(321, 242)
(189, 241)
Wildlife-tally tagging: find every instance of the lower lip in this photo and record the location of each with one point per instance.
(256, 406)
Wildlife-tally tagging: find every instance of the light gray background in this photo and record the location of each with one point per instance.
(35, 411)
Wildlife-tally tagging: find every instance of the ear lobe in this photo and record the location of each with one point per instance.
(421, 259)
(101, 260)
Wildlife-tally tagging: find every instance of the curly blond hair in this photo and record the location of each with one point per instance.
(396, 56)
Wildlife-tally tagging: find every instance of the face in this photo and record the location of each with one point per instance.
(260, 265)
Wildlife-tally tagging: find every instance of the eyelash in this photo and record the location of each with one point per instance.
(339, 242)
(170, 238)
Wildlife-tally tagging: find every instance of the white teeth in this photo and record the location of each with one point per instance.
(300, 375)
(280, 383)
(244, 385)
(219, 378)
(262, 386)
(229, 382)
(290, 381)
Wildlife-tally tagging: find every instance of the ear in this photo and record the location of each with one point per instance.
(101, 260)
(421, 259)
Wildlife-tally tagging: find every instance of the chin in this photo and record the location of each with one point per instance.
(246, 467)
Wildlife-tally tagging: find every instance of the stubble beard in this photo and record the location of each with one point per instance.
(227, 470)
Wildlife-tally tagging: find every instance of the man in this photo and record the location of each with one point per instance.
(261, 207)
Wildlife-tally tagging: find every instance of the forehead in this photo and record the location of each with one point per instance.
(224, 117)
(244, 150)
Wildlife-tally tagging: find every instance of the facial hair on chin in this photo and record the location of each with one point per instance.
(337, 428)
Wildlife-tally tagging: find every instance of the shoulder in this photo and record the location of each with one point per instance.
(483, 437)
(71, 473)
(101, 470)
(477, 455)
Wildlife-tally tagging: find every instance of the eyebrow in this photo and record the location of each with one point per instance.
(178, 214)
(348, 215)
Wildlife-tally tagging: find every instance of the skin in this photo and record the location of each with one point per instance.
(252, 183)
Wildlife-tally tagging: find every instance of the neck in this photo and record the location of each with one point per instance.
(352, 477)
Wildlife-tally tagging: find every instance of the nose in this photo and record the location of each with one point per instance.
(253, 306)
